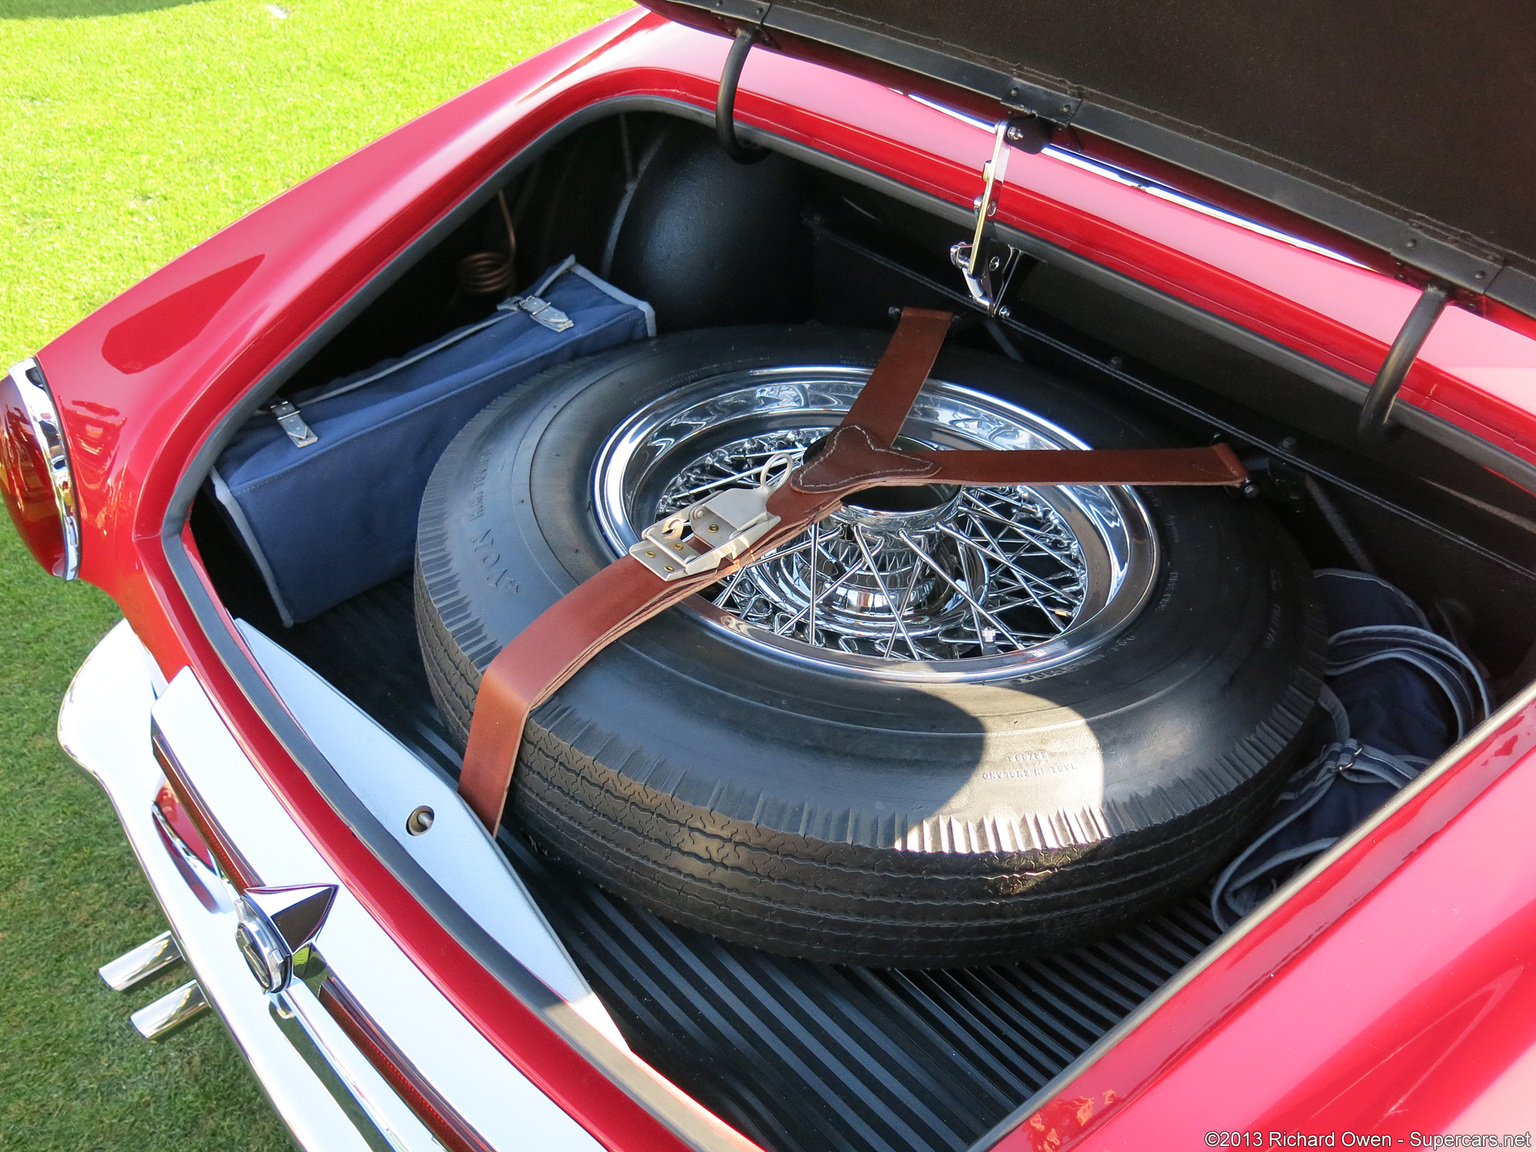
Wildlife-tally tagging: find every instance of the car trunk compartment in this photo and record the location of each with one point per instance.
(804, 1056)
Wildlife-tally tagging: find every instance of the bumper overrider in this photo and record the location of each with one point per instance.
(353, 1044)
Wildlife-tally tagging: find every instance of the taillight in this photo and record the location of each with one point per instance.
(35, 478)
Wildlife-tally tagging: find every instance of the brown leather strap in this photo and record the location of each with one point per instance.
(855, 456)
(882, 405)
(567, 634)
(851, 459)
(544, 656)
(1215, 465)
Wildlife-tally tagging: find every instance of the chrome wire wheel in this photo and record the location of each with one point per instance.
(930, 583)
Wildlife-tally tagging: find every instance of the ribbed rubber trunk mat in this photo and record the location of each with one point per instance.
(801, 1057)
(806, 1057)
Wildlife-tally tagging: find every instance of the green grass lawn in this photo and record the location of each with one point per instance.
(130, 130)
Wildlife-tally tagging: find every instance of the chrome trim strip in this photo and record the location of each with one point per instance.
(313, 1052)
(455, 850)
(48, 430)
(104, 725)
(1525, 699)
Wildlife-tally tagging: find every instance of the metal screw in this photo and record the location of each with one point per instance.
(1478, 275)
(1288, 443)
(1005, 311)
(1413, 243)
(649, 552)
(670, 568)
(714, 527)
(1015, 133)
(1117, 362)
(419, 821)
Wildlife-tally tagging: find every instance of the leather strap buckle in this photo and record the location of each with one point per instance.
(707, 533)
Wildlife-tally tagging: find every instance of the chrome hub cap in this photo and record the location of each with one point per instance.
(929, 583)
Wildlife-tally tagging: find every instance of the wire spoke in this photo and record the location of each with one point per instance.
(1028, 577)
(964, 595)
(901, 610)
(830, 588)
(1022, 529)
(869, 562)
(810, 580)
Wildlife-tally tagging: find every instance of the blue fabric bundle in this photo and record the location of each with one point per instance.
(324, 488)
(1398, 693)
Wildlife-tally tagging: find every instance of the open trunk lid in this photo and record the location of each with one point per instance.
(1401, 131)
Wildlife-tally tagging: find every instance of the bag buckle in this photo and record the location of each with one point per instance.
(702, 536)
(293, 425)
(541, 311)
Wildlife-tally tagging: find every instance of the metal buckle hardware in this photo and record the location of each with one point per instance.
(702, 536)
(540, 310)
(984, 262)
(293, 424)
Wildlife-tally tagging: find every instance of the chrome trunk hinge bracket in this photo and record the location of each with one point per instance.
(986, 263)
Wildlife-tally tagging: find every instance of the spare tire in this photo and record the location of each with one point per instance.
(1014, 720)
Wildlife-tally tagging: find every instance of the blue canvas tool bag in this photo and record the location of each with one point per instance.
(1398, 694)
(324, 487)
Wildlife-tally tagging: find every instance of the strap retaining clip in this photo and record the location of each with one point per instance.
(707, 533)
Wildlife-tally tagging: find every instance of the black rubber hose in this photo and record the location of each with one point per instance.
(725, 102)
(1377, 409)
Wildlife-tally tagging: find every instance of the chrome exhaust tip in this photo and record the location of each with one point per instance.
(139, 964)
(171, 1012)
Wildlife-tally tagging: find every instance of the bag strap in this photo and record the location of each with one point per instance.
(690, 550)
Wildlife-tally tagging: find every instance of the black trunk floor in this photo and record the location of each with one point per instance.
(800, 1057)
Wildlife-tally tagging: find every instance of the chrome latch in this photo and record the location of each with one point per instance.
(707, 533)
(293, 425)
(986, 263)
(541, 311)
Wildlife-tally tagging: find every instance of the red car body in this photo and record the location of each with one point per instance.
(1393, 993)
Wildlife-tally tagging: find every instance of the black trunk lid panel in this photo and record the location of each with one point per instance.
(800, 1057)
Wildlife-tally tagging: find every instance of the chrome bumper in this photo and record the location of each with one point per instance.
(321, 1083)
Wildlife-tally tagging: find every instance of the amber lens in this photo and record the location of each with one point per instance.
(24, 481)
